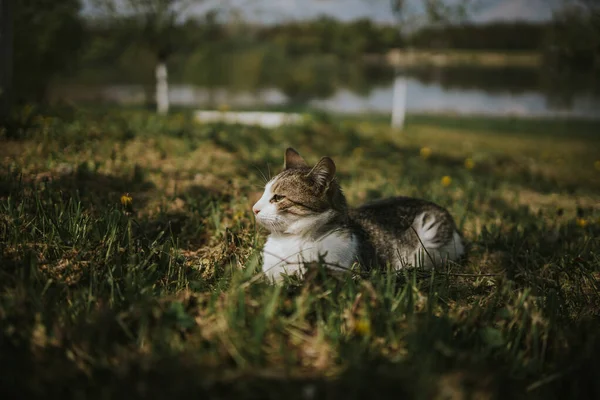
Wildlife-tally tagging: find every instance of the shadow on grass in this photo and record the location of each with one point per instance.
(423, 375)
(51, 374)
(186, 218)
(90, 187)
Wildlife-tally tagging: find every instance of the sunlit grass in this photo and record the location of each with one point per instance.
(130, 262)
(453, 57)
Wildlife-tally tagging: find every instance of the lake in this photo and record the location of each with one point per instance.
(522, 92)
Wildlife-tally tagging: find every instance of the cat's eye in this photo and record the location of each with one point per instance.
(276, 198)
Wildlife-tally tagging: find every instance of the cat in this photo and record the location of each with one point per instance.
(309, 221)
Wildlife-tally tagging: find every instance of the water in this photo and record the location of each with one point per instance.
(433, 98)
(467, 91)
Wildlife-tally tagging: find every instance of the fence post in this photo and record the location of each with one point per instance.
(162, 88)
(399, 102)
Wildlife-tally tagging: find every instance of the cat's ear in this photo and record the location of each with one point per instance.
(324, 172)
(293, 159)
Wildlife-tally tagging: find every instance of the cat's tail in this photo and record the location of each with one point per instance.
(438, 235)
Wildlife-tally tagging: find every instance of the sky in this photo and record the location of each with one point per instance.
(528, 10)
(273, 11)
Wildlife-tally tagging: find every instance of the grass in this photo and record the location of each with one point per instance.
(480, 58)
(162, 296)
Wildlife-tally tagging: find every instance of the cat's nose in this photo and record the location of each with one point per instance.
(256, 210)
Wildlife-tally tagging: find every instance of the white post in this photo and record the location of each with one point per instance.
(162, 88)
(399, 102)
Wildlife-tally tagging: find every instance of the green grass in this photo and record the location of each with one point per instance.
(164, 298)
(480, 58)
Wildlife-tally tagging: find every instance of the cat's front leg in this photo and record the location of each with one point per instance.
(275, 267)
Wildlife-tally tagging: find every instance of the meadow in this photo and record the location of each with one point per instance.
(130, 262)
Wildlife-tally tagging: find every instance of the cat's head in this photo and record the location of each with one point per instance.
(300, 199)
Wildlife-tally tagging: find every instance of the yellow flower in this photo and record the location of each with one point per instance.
(127, 201)
(597, 165)
(224, 107)
(446, 181)
(469, 163)
(357, 152)
(363, 327)
(425, 153)
(582, 222)
(239, 215)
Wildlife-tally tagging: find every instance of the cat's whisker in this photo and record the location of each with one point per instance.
(262, 174)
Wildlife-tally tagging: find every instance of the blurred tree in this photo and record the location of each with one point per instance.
(325, 35)
(503, 35)
(46, 37)
(6, 57)
(418, 14)
(574, 35)
(155, 24)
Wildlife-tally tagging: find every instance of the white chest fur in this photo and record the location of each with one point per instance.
(287, 254)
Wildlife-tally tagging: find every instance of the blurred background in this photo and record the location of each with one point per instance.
(484, 57)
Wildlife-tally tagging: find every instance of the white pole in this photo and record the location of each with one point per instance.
(399, 102)
(162, 88)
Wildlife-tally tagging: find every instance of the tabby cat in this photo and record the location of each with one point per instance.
(309, 222)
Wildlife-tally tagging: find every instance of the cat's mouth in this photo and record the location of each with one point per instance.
(271, 224)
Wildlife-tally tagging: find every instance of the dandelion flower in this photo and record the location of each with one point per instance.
(363, 327)
(239, 215)
(425, 153)
(582, 222)
(446, 181)
(127, 202)
(469, 163)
